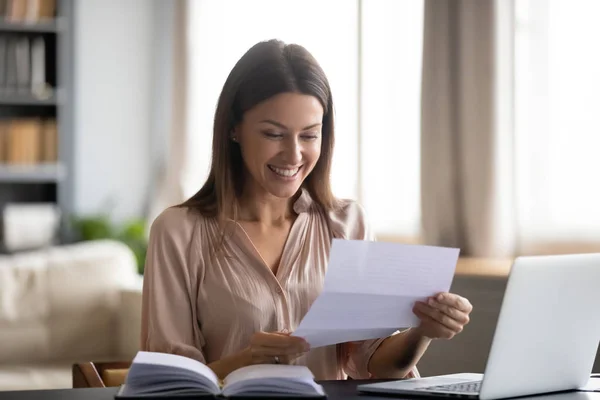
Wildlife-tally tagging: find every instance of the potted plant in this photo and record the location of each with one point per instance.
(131, 232)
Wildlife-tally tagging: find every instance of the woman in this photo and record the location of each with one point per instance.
(231, 272)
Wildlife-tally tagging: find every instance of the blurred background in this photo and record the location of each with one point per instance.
(459, 123)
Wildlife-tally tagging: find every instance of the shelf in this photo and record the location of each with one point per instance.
(51, 26)
(18, 99)
(41, 173)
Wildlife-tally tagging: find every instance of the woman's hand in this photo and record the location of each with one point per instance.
(443, 315)
(275, 348)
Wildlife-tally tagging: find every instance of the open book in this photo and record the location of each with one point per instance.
(167, 375)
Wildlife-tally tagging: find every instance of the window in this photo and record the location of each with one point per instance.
(557, 132)
(392, 41)
(375, 89)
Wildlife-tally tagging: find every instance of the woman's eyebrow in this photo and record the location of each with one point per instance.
(282, 126)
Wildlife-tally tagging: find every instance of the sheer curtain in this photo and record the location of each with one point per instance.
(170, 134)
(370, 51)
(392, 41)
(217, 39)
(465, 133)
(557, 128)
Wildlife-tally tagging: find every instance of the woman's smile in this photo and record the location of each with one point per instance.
(285, 173)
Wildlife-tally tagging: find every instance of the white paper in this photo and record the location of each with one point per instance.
(371, 287)
(323, 337)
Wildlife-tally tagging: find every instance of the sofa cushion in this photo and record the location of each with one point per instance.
(25, 342)
(23, 288)
(88, 275)
(130, 320)
(64, 302)
(84, 294)
(84, 335)
(36, 376)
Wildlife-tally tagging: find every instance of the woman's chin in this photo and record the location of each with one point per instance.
(284, 191)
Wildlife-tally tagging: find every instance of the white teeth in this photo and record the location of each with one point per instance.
(284, 172)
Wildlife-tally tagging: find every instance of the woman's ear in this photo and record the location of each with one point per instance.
(233, 135)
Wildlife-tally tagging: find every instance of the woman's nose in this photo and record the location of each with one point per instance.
(293, 152)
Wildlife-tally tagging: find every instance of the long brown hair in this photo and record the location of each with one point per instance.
(265, 70)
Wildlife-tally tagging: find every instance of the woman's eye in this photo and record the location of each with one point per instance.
(273, 135)
(310, 137)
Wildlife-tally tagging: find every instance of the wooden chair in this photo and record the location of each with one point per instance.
(102, 374)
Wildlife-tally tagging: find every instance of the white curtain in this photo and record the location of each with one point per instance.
(171, 131)
(557, 130)
(466, 199)
(510, 129)
(218, 37)
(392, 42)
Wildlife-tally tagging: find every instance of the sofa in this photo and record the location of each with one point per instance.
(63, 305)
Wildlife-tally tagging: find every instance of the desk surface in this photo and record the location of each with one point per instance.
(336, 390)
(484, 267)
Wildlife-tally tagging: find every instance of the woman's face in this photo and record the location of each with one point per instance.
(280, 141)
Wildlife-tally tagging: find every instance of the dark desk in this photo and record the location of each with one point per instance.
(336, 390)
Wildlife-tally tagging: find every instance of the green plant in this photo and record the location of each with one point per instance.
(132, 233)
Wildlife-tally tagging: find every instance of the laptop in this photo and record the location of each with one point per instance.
(545, 340)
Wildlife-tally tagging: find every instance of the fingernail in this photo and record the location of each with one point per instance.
(306, 346)
(431, 302)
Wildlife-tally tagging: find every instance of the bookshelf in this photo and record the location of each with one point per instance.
(36, 105)
(19, 99)
(40, 173)
(50, 26)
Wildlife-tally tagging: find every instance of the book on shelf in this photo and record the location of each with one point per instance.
(29, 11)
(39, 87)
(49, 142)
(23, 66)
(24, 146)
(28, 141)
(167, 375)
(23, 63)
(3, 142)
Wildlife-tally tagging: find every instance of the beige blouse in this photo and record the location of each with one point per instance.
(207, 306)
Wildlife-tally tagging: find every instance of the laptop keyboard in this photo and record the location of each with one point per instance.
(465, 387)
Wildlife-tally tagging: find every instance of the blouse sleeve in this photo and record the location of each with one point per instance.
(169, 315)
(352, 223)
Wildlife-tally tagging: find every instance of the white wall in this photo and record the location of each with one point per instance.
(113, 75)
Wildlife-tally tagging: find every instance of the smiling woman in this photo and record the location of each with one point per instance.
(268, 208)
(274, 113)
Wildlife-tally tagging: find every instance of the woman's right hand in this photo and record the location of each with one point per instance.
(275, 348)
(264, 348)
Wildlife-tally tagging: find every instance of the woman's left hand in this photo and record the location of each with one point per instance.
(443, 315)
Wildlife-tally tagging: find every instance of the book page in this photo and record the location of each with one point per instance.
(173, 360)
(295, 372)
(272, 380)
